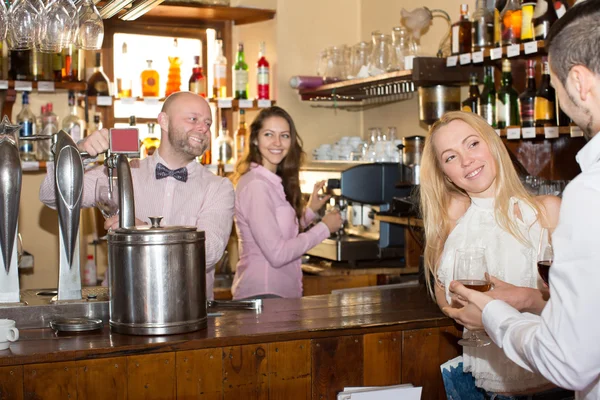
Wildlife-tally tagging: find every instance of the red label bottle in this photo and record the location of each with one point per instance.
(262, 70)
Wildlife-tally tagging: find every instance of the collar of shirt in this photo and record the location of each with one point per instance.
(262, 171)
(155, 158)
(589, 154)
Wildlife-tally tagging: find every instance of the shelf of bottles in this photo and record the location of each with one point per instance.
(42, 86)
(522, 50)
(242, 104)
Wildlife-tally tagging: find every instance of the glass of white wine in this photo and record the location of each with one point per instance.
(107, 200)
(470, 269)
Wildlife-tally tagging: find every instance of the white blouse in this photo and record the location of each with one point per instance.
(507, 259)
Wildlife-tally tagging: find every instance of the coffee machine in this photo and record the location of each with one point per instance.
(359, 190)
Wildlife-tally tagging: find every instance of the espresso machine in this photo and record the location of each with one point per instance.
(359, 191)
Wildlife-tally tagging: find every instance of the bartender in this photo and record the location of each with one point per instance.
(170, 183)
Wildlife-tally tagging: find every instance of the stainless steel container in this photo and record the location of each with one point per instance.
(411, 157)
(157, 279)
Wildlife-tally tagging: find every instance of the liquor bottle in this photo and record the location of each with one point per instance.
(57, 63)
(150, 142)
(90, 275)
(20, 65)
(498, 7)
(511, 22)
(527, 98)
(98, 84)
(487, 100)
(241, 136)
(240, 71)
(543, 18)
(197, 83)
(174, 76)
(124, 82)
(461, 32)
(545, 99)
(471, 103)
(26, 119)
(150, 81)
(98, 125)
(482, 34)
(220, 73)
(561, 7)
(73, 124)
(132, 121)
(37, 65)
(70, 66)
(224, 144)
(262, 73)
(561, 117)
(527, 10)
(50, 126)
(507, 103)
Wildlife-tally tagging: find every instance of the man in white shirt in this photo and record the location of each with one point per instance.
(562, 343)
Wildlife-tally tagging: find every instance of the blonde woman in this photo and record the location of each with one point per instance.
(471, 196)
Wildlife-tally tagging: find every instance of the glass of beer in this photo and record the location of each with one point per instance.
(470, 269)
(545, 255)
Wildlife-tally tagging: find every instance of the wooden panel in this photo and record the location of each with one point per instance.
(11, 383)
(104, 378)
(151, 376)
(245, 373)
(50, 381)
(200, 374)
(336, 362)
(382, 358)
(315, 285)
(420, 356)
(289, 370)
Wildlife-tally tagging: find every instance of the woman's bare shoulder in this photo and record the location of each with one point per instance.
(458, 206)
(551, 206)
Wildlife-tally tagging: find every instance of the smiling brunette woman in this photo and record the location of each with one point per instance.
(471, 196)
(270, 214)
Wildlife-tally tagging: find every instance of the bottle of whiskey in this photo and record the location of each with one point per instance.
(511, 22)
(545, 99)
(220, 73)
(197, 83)
(150, 142)
(262, 73)
(507, 104)
(471, 103)
(487, 100)
(240, 71)
(482, 35)
(461, 32)
(70, 65)
(98, 84)
(124, 84)
(174, 76)
(527, 9)
(527, 98)
(150, 81)
(543, 18)
(241, 136)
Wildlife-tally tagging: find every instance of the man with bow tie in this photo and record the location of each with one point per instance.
(170, 183)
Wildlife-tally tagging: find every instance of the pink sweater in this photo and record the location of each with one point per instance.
(269, 244)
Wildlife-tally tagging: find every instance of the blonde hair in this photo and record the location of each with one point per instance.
(437, 190)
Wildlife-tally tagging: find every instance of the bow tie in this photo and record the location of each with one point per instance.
(181, 174)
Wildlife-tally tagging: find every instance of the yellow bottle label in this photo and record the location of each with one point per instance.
(467, 109)
(544, 109)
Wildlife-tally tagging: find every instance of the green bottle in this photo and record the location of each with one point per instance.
(487, 101)
(507, 105)
(240, 74)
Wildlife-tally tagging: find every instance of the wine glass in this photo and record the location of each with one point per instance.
(3, 20)
(107, 200)
(90, 32)
(24, 22)
(545, 255)
(470, 269)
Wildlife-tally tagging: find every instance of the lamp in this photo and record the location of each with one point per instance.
(140, 9)
(420, 18)
(113, 7)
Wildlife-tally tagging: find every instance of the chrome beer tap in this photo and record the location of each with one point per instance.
(10, 196)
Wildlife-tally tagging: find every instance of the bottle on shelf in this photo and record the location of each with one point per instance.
(73, 124)
(543, 18)
(48, 126)
(132, 121)
(482, 33)
(57, 63)
(174, 76)
(545, 99)
(498, 7)
(26, 119)
(197, 83)
(124, 82)
(562, 118)
(510, 18)
(150, 142)
(20, 65)
(471, 103)
(461, 32)
(90, 272)
(527, 10)
(507, 103)
(98, 84)
(70, 65)
(241, 136)
(97, 122)
(220, 73)
(240, 74)
(262, 73)
(561, 7)
(224, 144)
(527, 98)
(487, 100)
(41, 64)
(150, 81)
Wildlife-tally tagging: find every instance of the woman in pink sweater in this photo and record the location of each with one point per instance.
(270, 213)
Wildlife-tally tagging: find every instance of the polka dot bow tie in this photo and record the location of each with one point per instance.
(181, 174)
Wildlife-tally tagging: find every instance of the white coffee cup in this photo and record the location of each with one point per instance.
(8, 333)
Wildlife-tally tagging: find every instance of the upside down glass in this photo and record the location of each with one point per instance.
(470, 269)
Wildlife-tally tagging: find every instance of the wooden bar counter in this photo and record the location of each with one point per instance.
(307, 348)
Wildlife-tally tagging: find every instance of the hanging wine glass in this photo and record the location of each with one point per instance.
(56, 26)
(24, 23)
(3, 21)
(90, 33)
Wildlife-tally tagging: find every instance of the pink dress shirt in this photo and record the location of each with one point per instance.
(205, 201)
(269, 243)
